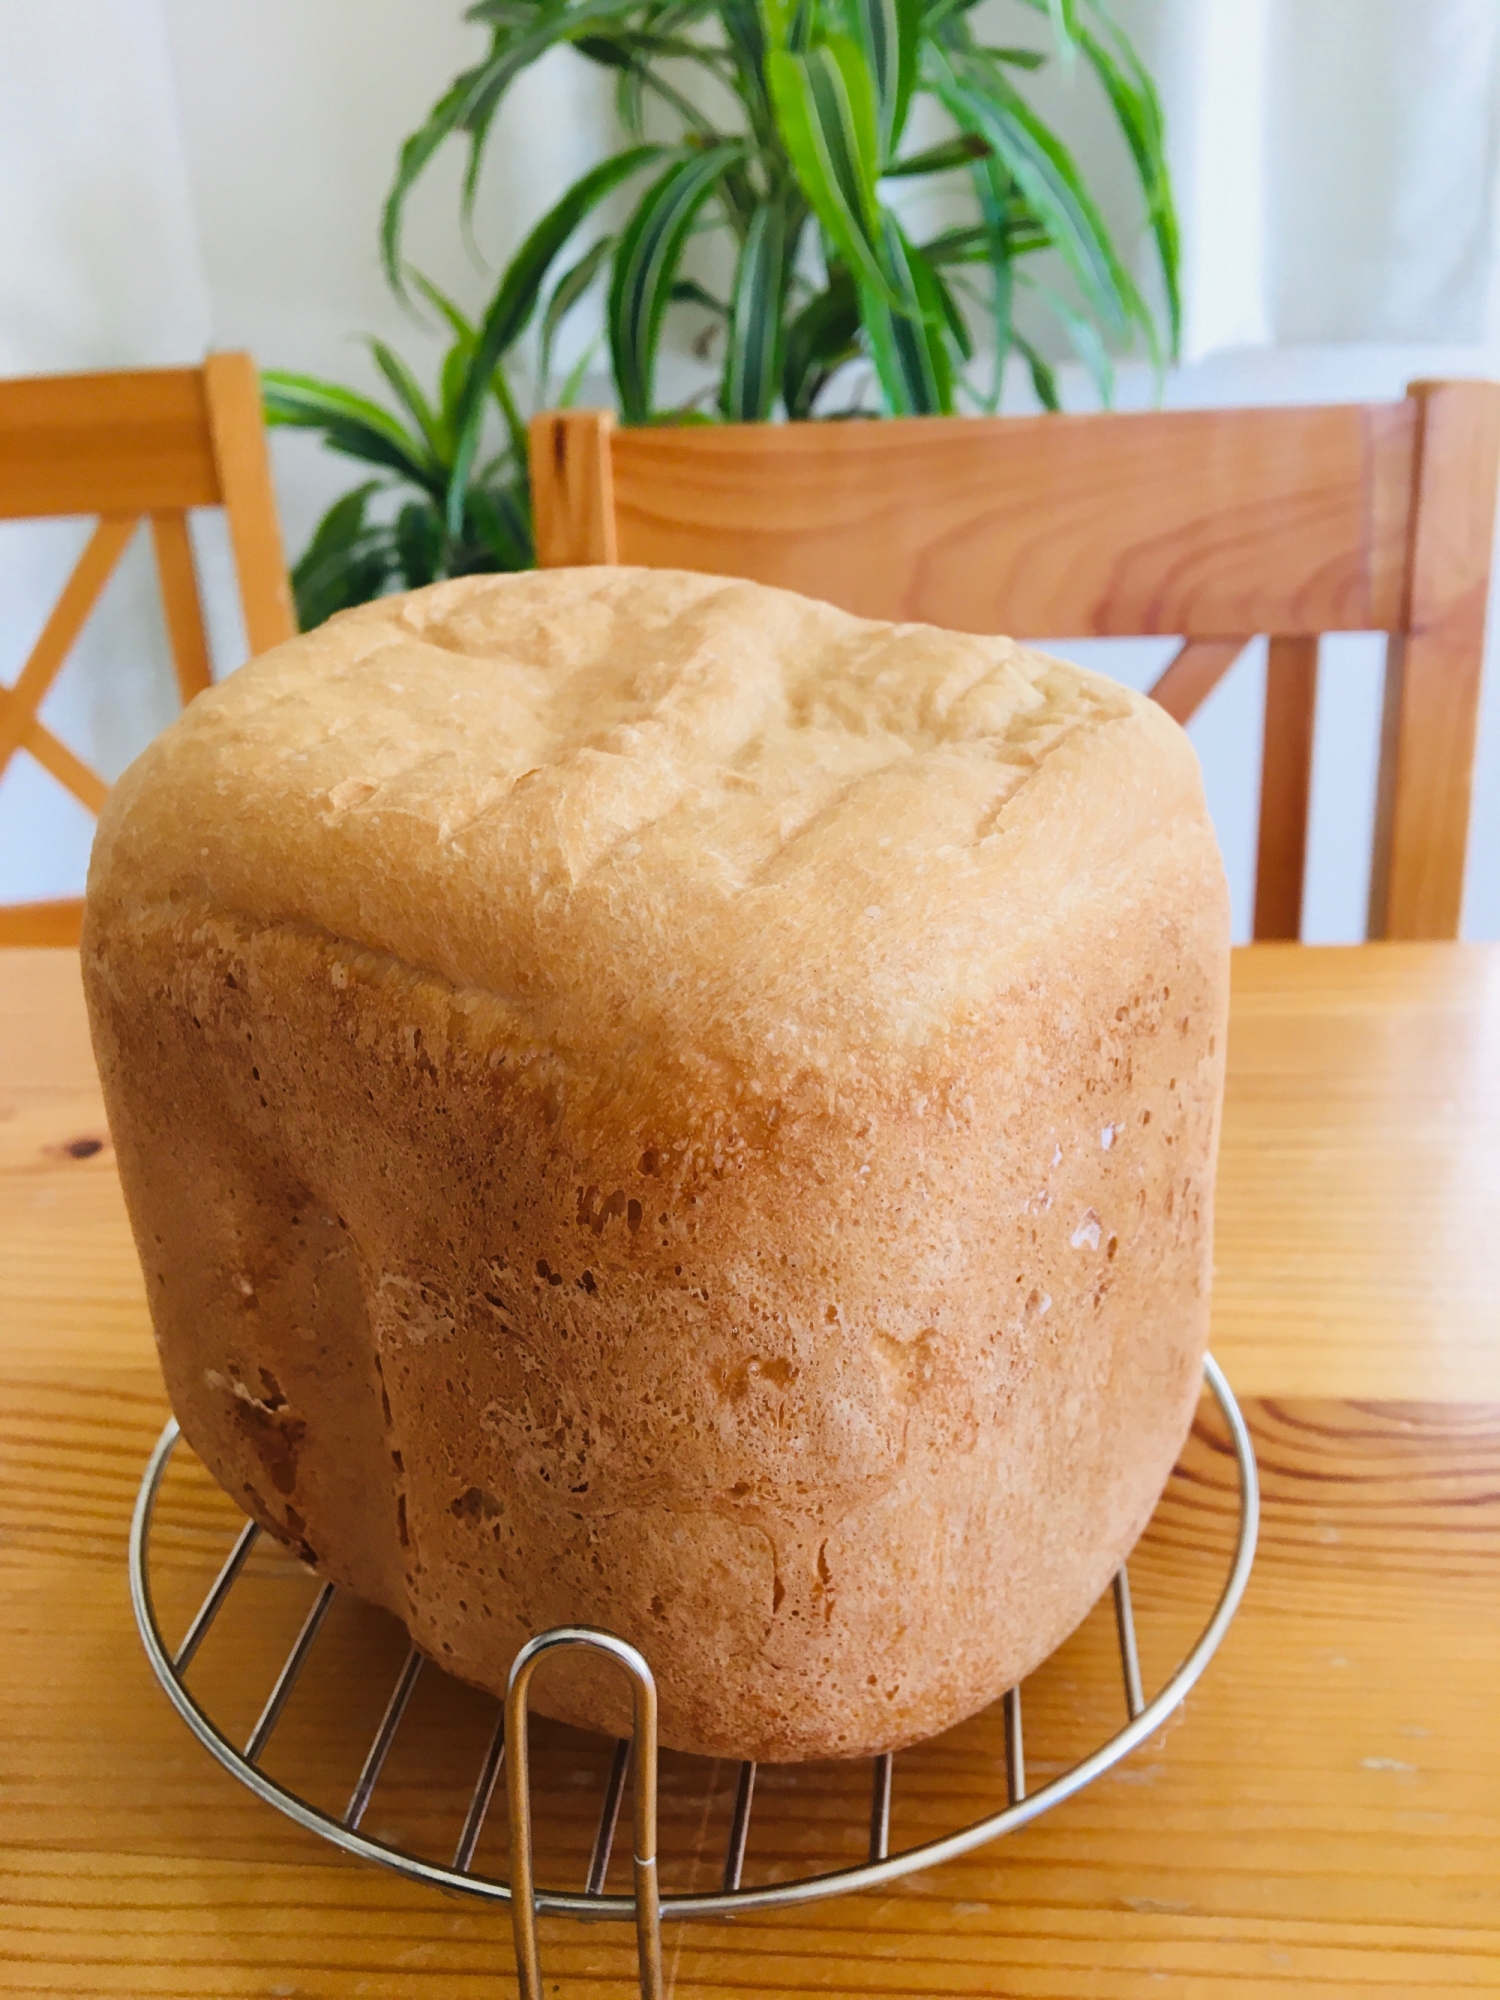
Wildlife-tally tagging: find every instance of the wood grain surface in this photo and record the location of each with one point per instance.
(1192, 523)
(1321, 1819)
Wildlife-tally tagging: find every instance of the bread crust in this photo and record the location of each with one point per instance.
(785, 1244)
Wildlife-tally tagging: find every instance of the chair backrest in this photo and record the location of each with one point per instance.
(1214, 526)
(134, 447)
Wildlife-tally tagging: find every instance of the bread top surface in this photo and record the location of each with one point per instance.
(667, 821)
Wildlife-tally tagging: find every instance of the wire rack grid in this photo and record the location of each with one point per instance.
(647, 1906)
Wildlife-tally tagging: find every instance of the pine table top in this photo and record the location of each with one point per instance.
(1322, 1819)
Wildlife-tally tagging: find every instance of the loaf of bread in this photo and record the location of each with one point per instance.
(647, 1101)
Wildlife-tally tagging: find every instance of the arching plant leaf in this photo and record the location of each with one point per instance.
(515, 301)
(645, 266)
(753, 364)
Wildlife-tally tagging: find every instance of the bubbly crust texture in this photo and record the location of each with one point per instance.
(647, 1101)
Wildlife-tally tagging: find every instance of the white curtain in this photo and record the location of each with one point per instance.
(1336, 165)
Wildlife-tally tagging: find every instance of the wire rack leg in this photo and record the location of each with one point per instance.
(643, 1789)
(1130, 1659)
(1015, 1748)
(880, 1809)
(739, 1829)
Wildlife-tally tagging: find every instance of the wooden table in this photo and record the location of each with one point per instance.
(1323, 1819)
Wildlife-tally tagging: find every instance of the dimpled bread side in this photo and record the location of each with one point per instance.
(647, 1101)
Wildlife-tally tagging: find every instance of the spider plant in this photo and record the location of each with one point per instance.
(439, 505)
(800, 159)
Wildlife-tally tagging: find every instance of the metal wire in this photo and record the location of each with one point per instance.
(223, 1583)
(1130, 1659)
(647, 1900)
(286, 1680)
(1021, 1806)
(609, 1819)
(880, 1809)
(739, 1830)
(385, 1736)
(479, 1804)
(1015, 1748)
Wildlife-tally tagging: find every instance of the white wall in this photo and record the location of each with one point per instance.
(183, 175)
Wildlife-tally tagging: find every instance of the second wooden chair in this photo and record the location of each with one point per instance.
(1210, 525)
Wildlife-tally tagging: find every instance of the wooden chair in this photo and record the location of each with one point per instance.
(139, 446)
(1211, 525)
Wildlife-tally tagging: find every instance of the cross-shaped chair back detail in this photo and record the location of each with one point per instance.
(136, 447)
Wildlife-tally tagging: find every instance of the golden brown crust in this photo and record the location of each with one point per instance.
(747, 1185)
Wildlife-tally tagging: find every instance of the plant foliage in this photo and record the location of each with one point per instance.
(439, 505)
(804, 173)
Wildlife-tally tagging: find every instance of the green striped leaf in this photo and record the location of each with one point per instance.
(462, 328)
(1137, 107)
(566, 293)
(1138, 111)
(645, 266)
(497, 523)
(515, 301)
(1065, 28)
(568, 394)
(1084, 335)
(823, 336)
(753, 364)
(885, 32)
(1017, 58)
(469, 106)
(420, 545)
(1042, 378)
(346, 562)
(787, 24)
(994, 194)
(408, 392)
(960, 152)
(688, 292)
(980, 99)
(445, 118)
(908, 347)
(825, 110)
(939, 294)
(745, 34)
(350, 424)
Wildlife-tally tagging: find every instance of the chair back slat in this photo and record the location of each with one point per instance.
(1285, 786)
(1200, 523)
(178, 578)
(1193, 673)
(237, 427)
(126, 443)
(1210, 525)
(54, 923)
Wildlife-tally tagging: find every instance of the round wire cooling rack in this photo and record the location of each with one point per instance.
(648, 1904)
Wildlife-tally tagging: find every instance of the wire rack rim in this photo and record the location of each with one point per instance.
(717, 1903)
